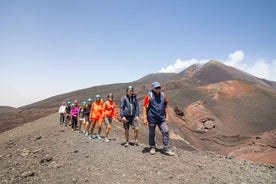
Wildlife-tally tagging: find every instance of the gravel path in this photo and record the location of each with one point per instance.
(45, 152)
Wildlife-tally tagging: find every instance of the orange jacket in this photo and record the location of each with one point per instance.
(96, 111)
(109, 109)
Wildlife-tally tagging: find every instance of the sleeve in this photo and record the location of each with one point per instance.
(146, 101)
(104, 109)
(91, 111)
(166, 100)
(137, 110)
(122, 103)
(114, 111)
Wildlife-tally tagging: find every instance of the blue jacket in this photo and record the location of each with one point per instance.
(129, 106)
(156, 108)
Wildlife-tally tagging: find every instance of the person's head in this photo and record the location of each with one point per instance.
(110, 96)
(98, 98)
(156, 87)
(89, 100)
(83, 103)
(129, 90)
(76, 102)
(63, 103)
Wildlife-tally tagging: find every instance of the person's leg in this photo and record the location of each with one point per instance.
(92, 127)
(87, 127)
(127, 135)
(136, 131)
(80, 125)
(72, 123)
(63, 117)
(100, 126)
(107, 122)
(165, 135)
(152, 135)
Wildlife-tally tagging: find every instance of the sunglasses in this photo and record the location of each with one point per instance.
(159, 87)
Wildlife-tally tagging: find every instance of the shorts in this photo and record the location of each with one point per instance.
(86, 117)
(81, 119)
(108, 120)
(130, 120)
(68, 117)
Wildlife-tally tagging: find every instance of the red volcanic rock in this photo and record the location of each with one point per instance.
(259, 148)
(198, 119)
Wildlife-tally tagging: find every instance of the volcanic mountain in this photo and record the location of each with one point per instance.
(212, 107)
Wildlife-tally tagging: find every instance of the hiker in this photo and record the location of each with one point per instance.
(155, 111)
(96, 115)
(87, 115)
(109, 110)
(62, 113)
(74, 115)
(82, 117)
(67, 111)
(129, 112)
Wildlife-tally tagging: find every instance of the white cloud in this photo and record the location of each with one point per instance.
(235, 58)
(180, 65)
(260, 68)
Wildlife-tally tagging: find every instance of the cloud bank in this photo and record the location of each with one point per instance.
(260, 68)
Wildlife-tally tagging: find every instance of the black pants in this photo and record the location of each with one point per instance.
(74, 122)
(61, 117)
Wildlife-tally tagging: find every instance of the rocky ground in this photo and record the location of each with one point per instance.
(45, 152)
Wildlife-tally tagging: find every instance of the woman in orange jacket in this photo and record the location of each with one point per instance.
(96, 115)
(109, 111)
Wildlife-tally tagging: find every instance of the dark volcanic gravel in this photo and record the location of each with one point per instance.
(45, 152)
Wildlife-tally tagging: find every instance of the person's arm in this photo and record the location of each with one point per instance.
(122, 104)
(145, 105)
(91, 112)
(166, 110)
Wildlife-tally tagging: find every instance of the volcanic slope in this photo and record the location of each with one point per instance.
(45, 152)
(212, 107)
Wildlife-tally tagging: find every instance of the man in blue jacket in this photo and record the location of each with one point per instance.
(156, 113)
(129, 112)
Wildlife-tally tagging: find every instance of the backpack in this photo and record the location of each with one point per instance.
(150, 94)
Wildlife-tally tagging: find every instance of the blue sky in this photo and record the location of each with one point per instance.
(50, 47)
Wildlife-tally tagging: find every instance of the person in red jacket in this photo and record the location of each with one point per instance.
(109, 111)
(96, 115)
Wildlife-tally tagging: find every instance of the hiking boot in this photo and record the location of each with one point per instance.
(152, 151)
(99, 137)
(169, 153)
(90, 137)
(126, 144)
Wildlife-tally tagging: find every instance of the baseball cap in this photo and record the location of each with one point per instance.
(155, 84)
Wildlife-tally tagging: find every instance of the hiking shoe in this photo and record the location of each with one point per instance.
(169, 153)
(152, 151)
(107, 140)
(90, 137)
(126, 144)
(86, 133)
(99, 137)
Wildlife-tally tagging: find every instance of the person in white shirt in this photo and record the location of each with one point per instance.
(62, 112)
